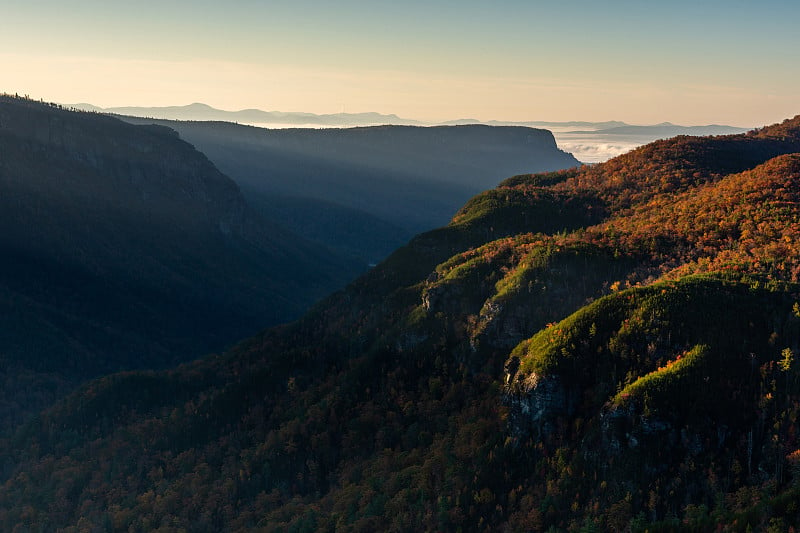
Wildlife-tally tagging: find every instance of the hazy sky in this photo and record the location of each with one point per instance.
(689, 62)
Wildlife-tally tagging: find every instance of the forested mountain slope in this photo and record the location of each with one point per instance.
(123, 247)
(366, 191)
(605, 348)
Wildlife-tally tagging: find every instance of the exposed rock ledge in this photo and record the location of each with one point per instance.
(536, 402)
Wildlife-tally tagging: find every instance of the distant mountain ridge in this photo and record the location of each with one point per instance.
(589, 142)
(204, 112)
(538, 123)
(199, 111)
(665, 129)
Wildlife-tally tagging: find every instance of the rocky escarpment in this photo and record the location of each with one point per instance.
(536, 403)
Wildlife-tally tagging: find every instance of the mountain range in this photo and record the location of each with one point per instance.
(589, 142)
(663, 130)
(204, 112)
(610, 347)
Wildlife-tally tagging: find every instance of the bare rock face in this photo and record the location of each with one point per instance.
(625, 427)
(536, 402)
(502, 326)
(437, 297)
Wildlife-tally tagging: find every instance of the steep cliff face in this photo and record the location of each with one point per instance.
(536, 403)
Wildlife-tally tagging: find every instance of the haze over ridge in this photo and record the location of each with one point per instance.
(590, 142)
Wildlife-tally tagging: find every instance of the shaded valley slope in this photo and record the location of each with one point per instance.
(123, 247)
(365, 191)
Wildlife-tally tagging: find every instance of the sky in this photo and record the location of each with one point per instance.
(688, 62)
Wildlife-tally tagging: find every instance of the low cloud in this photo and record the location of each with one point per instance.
(595, 148)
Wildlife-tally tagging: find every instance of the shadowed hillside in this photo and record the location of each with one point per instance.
(366, 191)
(123, 247)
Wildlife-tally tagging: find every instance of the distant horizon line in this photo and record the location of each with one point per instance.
(391, 118)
